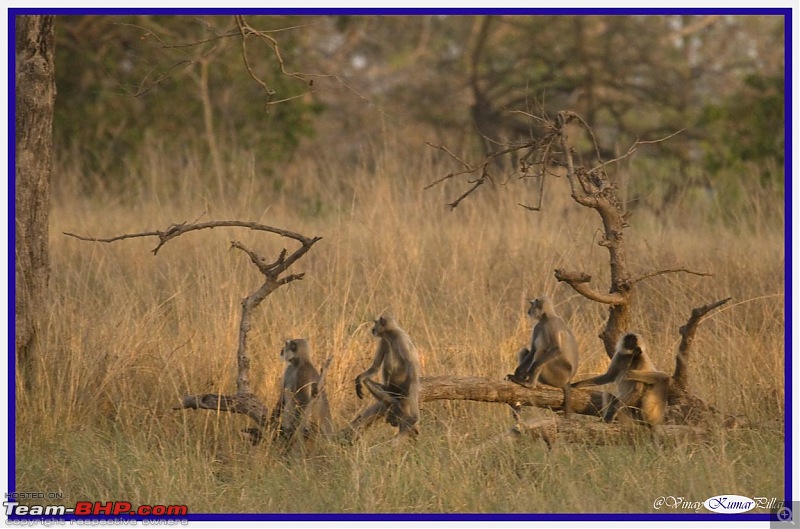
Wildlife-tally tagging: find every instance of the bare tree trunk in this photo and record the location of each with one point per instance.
(208, 123)
(35, 96)
(243, 401)
(590, 187)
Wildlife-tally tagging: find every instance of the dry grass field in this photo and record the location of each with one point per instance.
(128, 334)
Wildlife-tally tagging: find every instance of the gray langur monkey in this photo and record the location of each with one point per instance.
(398, 395)
(301, 404)
(553, 355)
(640, 390)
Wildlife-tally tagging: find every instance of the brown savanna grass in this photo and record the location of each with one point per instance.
(128, 333)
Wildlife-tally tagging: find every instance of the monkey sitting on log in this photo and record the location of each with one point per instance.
(398, 395)
(553, 353)
(640, 390)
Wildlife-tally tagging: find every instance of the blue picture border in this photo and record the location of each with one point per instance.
(429, 517)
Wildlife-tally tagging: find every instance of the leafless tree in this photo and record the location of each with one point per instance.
(243, 401)
(541, 156)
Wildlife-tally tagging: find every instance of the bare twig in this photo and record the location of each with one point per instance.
(570, 116)
(163, 44)
(483, 167)
(669, 271)
(633, 147)
(578, 189)
(144, 87)
(246, 30)
(467, 168)
(454, 204)
(115, 238)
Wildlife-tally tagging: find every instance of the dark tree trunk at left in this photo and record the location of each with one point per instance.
(35, 95)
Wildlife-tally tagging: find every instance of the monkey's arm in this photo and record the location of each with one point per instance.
(599, 380)
(524, 367)
(383, 348)
(595, 381)
(619, 364)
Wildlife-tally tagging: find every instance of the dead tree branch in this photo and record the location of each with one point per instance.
(578, 281)
(680, 378)
(589, 187)
(243, 401)
(633, 148)
(243, 30)
(481, 389)
(246, 404)
(669, 271)
(686, 417)
(176, 230)
(481, 169)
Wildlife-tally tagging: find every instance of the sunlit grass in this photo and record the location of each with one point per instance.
(128, 333)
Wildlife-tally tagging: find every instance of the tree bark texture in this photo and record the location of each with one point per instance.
(482, 389)
(35, 96)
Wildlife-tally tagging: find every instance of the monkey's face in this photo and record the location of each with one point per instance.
(535, 308)
(378, 326)
(632, 343)
(290, 350)
(286, 352)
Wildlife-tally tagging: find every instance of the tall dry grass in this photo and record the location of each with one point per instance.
(128, 333)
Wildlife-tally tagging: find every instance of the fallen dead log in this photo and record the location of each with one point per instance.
(483, 389)
(246, 404)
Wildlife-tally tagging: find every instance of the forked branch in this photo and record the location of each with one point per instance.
(680, 382)
(578, 281)
(243, 401)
